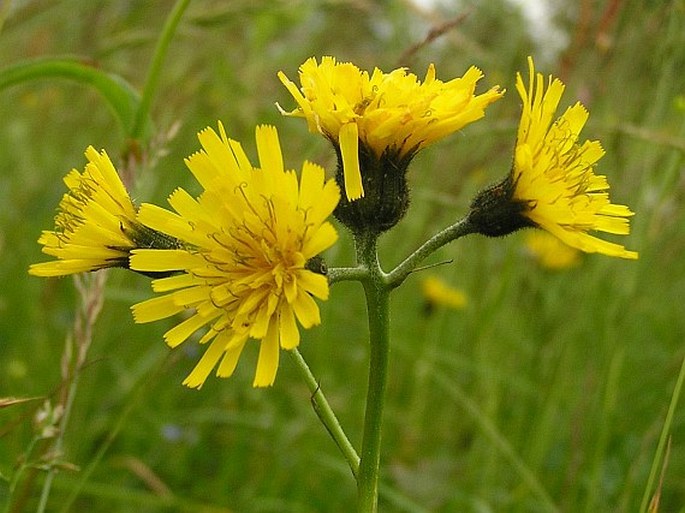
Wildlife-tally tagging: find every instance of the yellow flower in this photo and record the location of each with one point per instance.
(552, 184)
(244, 272)
(437, 292)
(95, 226)
(550, 252)
(391, 115)
(554, 174)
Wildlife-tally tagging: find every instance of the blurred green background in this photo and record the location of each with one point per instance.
(547, 393)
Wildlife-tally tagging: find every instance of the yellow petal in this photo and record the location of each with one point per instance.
(289, 334)
(155, 309)
(267, 362)
(64, 267)
(320, 241)
(204, 367)
(230, 359)
(269, 148)
(161, 260)
(349, 149)
(313, 283)
(306, 310)
(180, 333)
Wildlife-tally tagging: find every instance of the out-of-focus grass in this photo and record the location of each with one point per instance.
(548, 388)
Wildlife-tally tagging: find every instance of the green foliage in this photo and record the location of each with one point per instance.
(120, 96)
(548, 393)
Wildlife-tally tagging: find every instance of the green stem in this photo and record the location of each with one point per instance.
(377, 304)
(377, 287)
(336, 274)
(155, 68)
(325, 413)
(453, 232)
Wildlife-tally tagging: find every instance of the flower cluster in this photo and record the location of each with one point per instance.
(242, 260)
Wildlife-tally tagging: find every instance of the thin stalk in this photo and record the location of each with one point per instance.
(16, 477)
(663, 438)
(325, 413)
(59, 443)
(453, 232)
(91, 291)
(377, 304)
(153, 75)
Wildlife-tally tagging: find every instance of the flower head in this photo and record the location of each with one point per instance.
(387, 115)
(550, 252)
(438, 293)
(244, 272)
(95, 226)
(552, 184)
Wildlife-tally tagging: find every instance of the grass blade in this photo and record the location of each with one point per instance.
(122, 98)
(663, 438)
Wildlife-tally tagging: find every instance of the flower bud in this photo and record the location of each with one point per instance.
(386, 196)
(495, 212)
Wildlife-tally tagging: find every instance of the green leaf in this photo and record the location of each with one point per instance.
(122, 98)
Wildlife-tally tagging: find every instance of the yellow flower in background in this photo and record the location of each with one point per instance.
(244, 273)
(552, 184)
(95, 226)
(550, 252)
(553, 174)
(392, 115)
(439, 293)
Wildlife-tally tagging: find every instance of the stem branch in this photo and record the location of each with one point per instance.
(336, 274)
(399, 274)
(325, 413)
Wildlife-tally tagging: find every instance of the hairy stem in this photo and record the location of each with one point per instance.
(377, 304)
(453, 232)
